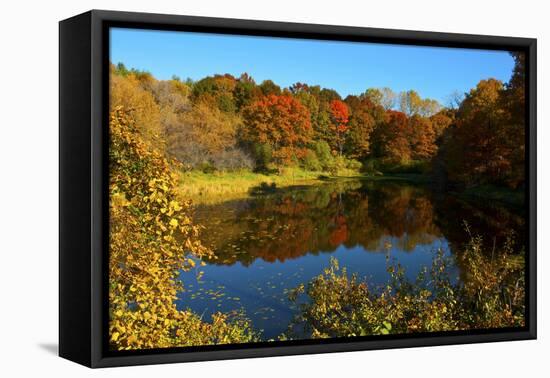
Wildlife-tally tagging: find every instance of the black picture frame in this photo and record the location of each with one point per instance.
(83, 178)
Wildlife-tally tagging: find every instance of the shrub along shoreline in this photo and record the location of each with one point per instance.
(492, 295)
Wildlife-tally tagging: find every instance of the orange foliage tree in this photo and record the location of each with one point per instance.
(477, 151)
(392, 137)
(280, 121)
(422, 139)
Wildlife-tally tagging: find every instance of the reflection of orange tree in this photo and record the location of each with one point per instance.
(403, 211)
(340, 232)
(288, 225)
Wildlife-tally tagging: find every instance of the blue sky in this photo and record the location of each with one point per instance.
(347, 67)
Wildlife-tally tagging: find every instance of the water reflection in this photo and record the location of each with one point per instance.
(271, 243)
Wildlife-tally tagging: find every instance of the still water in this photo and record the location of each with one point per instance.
(270, 243)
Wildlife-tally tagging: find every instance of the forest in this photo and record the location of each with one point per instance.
(173, 142)
(222, 124)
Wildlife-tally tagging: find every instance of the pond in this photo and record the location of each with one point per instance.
(270, 243)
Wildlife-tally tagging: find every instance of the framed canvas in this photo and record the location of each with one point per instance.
(236, 188)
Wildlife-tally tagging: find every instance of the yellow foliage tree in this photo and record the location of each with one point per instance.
(128, 92)
(201, 133)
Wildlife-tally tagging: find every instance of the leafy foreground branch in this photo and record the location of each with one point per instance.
(491, 296)
(152, 238)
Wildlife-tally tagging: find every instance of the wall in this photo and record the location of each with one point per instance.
(28, 156)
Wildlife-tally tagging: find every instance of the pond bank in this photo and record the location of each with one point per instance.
(212, 188)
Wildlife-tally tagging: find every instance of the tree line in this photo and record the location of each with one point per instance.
(224, 123)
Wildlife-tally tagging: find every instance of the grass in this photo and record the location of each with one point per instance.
(216, 187)
(222, 186)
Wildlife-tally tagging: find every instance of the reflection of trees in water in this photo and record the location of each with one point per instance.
(491, 221)
(494, 223)
(319, 219)
(404, 212)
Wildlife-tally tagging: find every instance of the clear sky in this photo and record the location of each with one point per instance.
(347, 67)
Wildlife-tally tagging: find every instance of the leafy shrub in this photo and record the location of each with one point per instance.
(353, 164)
(207, 167)
(341, 166)
(263, 154)
(232, 159)
(311, 162)
(324, 155)
(492, 296)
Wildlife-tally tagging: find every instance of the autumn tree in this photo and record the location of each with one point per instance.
(127, 91)
(245, 91)
(441, 120)
(311, 102)
(268, 87)
(411, 104)
(513, 101)
(172, 97)
(361, 125)
(422, 138)
(476, 147)
(392, 138)
(383, 97)
(202, 134)
(339, 115)
(282, 122)
(217, 90)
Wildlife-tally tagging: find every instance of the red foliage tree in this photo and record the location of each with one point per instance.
(339, 115)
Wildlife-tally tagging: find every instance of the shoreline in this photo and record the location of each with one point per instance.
(213, 188)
